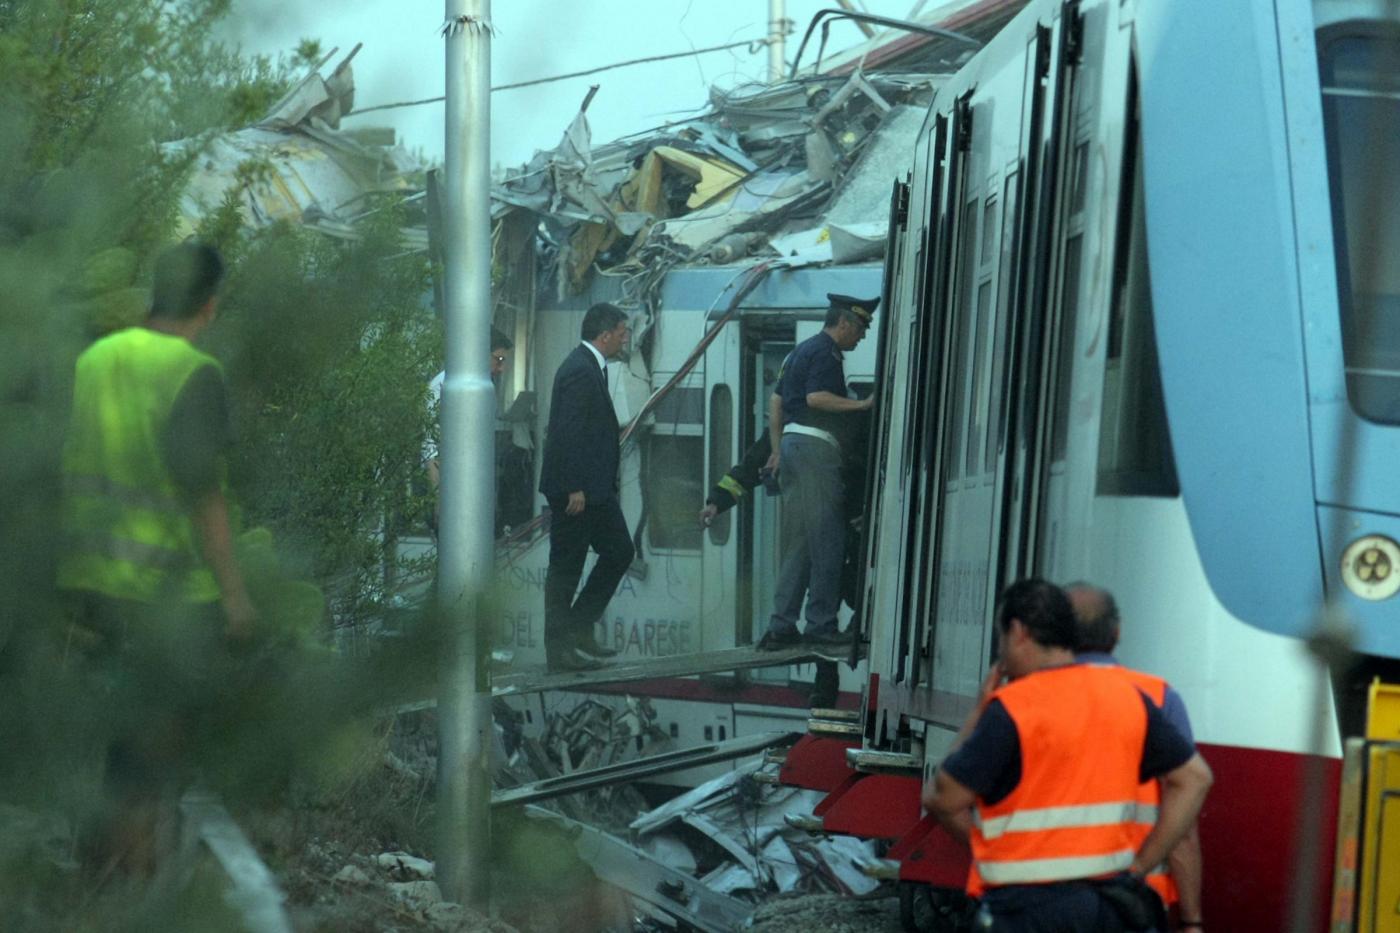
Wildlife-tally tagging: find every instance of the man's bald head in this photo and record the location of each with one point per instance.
(1095, 617)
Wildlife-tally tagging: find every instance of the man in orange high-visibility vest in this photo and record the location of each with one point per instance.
(1096, 614)
(1045, 786)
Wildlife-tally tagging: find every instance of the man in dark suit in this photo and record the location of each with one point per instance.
(579, 479)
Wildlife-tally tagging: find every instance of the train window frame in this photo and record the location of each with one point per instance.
(673, 531)
(984, 304)
(996, 439)
(964, 304)
(720, 443)
(1371, 358)
(1135, 456)
(1070, 283)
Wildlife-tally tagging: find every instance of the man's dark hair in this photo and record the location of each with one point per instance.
(600, 318)
(1043, 609)
(1095, 618)
(187, 275)
(499, 341)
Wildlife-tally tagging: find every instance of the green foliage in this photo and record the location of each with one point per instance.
(328, 352)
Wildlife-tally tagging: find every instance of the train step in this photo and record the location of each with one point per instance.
(803, 821)
(879, 762)
(829, 727)
(836, 715)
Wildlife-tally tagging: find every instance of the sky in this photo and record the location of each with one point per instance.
(402, 58)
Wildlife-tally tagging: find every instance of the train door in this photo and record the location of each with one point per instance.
(1041, 326)
(722, 597)
(960, 539)
(770, 348)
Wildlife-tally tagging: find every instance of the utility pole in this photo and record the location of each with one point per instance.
(777, 31)
(468, 487)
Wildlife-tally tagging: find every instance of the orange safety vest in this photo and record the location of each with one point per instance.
(1074, 813)
(1150, 792)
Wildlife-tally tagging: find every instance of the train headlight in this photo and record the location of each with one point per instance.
(1371, 567)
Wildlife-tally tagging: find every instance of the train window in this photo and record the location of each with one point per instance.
(1135, 454)
(1064, 372)
(1081, 177)
(721, 453)
(961, 352)
(681, 406)
(1008, 263)
(977, 413)
(989, 229)
(1361, 113)
(674, 471)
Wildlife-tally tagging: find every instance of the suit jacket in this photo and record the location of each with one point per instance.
(581, 441)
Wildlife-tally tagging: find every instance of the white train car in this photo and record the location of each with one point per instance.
(1142, 334)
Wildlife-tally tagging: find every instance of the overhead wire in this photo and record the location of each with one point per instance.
(754, 46)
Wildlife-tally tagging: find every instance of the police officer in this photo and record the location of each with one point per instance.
(1096, 615)
(808, 414)
(1045, 785)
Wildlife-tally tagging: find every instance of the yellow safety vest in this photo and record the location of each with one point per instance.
(128, 528)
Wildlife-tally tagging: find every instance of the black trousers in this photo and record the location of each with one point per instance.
(1071, 907)
(600, 526)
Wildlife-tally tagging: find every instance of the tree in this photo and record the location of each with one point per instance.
(326, 345)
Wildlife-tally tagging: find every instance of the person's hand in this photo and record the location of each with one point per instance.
(576, 503)
(867, 403)
(708, 513)
(995, 675)
(772, 465)
(240, 616)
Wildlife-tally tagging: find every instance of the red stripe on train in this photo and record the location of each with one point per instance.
(1249, 836)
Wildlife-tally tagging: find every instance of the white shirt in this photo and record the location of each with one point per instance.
(602, 363)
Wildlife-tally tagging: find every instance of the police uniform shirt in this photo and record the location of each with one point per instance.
(989, 762)
(815, 366)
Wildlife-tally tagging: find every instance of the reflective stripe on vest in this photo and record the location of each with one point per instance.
(1040, 870)
(1075, 811)
(100, 487)
(1025, 821)
(128, 528)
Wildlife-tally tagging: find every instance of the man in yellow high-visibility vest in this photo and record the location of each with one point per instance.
(148, 556)
(145, 514)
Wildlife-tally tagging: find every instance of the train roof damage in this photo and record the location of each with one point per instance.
(798, 170)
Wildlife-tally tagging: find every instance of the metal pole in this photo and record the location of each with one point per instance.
(777, 30)
(468, 487)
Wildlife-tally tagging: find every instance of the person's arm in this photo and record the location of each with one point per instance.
(1185, 859)
(775, 430)
(196, 439)
(1184, 790)
(986, 764)
(210, 517)
(990, 683)
(830, 401)
(951, 802)
(1185, 864)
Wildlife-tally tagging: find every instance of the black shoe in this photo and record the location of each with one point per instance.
(778, 641)
(590, 647)
(833, 645)
(572, 660)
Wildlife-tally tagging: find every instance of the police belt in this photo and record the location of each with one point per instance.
(809, 431)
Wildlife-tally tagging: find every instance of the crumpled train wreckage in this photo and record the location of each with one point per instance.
(797, 173)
